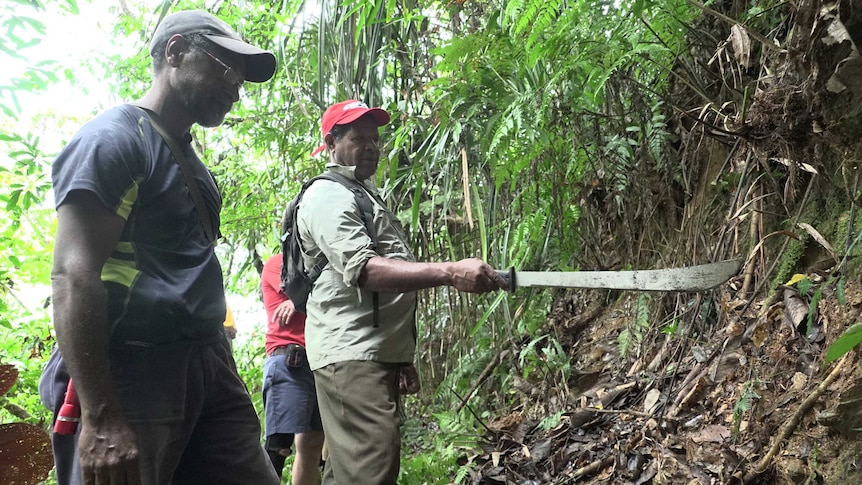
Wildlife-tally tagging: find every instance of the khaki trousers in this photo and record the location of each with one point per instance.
(359, 408)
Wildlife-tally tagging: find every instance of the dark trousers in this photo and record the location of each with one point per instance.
(194, 420)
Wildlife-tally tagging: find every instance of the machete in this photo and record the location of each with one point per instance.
(686, 278)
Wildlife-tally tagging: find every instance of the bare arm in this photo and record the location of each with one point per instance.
(86, 234)
(387, 275)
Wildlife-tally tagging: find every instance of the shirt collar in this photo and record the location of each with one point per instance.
(350, 172)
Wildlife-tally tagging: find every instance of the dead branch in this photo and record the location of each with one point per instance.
(689, 384)
(791, 425)
(486, 372)
(593, 467)
(16, 410)
(630, 412)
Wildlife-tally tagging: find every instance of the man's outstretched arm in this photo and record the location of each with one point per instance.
(387, 275)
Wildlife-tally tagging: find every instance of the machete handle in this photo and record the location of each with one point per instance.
(509, 276)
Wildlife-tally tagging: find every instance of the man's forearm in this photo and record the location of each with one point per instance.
(83, 334)
(395, 276)
(386, 275)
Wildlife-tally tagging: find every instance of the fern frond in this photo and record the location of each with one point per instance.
(513, 10)
(547, 14)
(528, 17)
(642, 322)
(624, 342)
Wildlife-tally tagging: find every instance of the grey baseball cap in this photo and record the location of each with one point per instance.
(259, 63)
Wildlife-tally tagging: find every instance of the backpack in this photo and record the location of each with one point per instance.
(296, 281)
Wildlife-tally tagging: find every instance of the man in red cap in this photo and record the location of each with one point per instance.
(138, 294)
(360, 327)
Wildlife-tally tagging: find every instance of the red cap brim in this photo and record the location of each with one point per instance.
(318, 150)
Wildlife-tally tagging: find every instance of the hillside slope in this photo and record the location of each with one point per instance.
(727, 386)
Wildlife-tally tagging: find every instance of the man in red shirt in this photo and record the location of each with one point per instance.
(289, 395)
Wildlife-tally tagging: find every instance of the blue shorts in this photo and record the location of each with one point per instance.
(289, 398)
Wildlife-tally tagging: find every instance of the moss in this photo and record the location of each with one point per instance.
(788, 261)
(843, 230)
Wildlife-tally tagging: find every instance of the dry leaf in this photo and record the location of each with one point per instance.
(8, 376)
(802, 165)
(651, 401)
(796, 278)
(836, 33)
(712, 433)
(819, 238)
(735, 328)
(795, 308)
(541, 450)
(759, 335)
(741, 45)
(798, 381)
(848, 75)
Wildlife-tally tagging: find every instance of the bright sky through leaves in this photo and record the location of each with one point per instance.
(71, 41)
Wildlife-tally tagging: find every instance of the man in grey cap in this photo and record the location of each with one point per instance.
(138, 291)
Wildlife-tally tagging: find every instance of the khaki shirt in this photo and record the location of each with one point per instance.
(340, 325)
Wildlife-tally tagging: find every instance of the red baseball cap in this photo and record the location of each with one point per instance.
(347, 112)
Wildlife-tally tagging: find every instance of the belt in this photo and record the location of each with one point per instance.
(279, 350)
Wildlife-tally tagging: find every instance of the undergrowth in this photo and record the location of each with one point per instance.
(433, 450)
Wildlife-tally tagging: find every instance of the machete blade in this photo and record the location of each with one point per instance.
(686, 278)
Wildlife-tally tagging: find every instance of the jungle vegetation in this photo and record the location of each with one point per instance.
(540, 135)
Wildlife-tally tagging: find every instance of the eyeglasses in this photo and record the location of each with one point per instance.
(231, 76)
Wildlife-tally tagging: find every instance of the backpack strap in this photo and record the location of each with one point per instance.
(363, 200)
(212, 233)
(366, 211)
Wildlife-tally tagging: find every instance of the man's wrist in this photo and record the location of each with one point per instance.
(447, 271)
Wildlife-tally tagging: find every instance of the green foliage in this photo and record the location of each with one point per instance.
(529, 353)
(839, 291)
(671, 328)
(548, 360)
(814, 464)
(436, 462)
(634, 334)
(742, 405)
(26, 345)
(845, 343)
(248, 352)
(789, 260)
(22, 31)
(430, 451)
(812, 309)
(532, 322)
(550, 422)
(26, 224)
(26, 178)
(509, 107)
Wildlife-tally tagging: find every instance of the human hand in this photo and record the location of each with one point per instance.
(408, 380)
(283, 312)
(108, 452)
(231, 332)
(476, 276)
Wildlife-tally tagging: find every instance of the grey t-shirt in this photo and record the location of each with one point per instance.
(163, 280)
